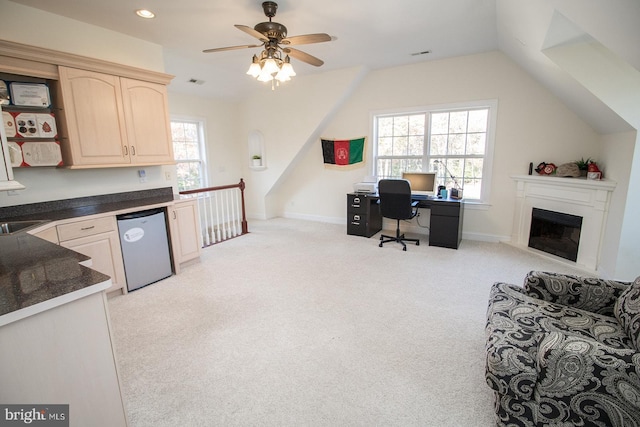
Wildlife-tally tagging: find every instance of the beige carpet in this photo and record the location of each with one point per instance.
(299, 324)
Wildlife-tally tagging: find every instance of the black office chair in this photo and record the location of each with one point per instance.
(395, 203)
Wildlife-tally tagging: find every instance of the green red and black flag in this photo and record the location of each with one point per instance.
(343, 151)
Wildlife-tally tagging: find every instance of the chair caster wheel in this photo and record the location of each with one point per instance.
(380, 245)
(418, 243)
(404, 249)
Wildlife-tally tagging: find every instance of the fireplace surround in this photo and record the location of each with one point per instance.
(578, 197)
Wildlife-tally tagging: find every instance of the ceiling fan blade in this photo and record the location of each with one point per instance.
(252, 32)
(302, 56)
(222, 49)
(307, 39)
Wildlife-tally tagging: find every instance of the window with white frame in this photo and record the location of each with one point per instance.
(455, 142)
(189, 153)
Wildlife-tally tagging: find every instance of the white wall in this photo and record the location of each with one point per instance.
(22, 24)
(615, 160)
(532, 126)
(617, 84)
(67, 35)
(291, 119)
(221, 118)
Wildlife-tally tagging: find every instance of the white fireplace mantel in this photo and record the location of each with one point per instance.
(582, 197)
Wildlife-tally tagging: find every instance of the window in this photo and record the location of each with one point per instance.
(188, 150)
(456, 143)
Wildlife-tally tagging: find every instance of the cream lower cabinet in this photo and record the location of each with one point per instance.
(98, 239)
(184, 225)
(50, 234)
(64, 355)
(110, 121)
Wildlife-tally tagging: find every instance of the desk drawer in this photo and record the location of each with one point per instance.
(356, 224)
(357, 203)
(445, 209)
(85, 228)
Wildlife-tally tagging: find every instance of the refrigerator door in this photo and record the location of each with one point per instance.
(145, 247)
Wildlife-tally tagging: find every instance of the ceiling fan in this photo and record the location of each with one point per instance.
(274, 40)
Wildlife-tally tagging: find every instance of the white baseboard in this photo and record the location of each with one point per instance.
(481, 237)
(316, 218)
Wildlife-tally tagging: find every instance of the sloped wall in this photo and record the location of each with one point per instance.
(291, 119)
(532, 126)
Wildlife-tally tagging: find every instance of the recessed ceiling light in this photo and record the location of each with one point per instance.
(144, 13)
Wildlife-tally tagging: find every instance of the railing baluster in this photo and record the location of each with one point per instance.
(221, 212)
(228, 216)
(234, 204)
(211, 203)
(204, 223)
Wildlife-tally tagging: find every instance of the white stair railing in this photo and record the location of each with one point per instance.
(222, 212)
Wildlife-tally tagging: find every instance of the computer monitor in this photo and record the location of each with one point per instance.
(421, 182)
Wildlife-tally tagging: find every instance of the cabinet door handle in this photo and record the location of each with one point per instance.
(133, 150)
(126, 150)
(87, 228)
(174, 215)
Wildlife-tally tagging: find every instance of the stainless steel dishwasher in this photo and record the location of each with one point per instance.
(145, 247)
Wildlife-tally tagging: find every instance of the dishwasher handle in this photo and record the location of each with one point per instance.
(140, 214)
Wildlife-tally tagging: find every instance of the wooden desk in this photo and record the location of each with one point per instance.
(445, 225)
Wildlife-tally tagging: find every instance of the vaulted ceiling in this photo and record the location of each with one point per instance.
(370, 33)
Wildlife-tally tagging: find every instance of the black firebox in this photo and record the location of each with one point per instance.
(555, 233)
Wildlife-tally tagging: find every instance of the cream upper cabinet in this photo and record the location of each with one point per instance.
(146, 112)
(112, 121)
(91, 108)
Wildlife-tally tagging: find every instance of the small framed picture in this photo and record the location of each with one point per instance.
(594, 175)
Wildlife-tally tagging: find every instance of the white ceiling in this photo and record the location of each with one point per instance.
(370, 33)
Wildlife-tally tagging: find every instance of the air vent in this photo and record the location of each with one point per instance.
(196, 81)
(424, 52)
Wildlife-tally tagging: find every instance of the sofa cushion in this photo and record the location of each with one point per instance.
(627, 311)
(528, 314)
(517, 323)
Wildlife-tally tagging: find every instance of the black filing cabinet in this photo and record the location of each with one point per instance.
(363, 215)
(446, 224)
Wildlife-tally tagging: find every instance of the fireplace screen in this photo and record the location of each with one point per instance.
(555, 233)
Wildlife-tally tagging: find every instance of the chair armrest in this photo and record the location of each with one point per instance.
(584, 382)
(510, 365)
(586, 293)
(415, 204)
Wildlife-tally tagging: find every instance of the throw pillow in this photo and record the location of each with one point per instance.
(627, 311)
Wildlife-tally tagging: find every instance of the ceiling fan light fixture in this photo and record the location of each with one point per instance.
(270, 66)
(287, 67)
(254, 69)
(265, 77)
(282, 76)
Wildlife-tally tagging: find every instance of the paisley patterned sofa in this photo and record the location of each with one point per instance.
(564, 351)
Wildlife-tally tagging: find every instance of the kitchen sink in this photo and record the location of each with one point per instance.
(12, 227)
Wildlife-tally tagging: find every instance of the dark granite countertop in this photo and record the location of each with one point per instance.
(34, 271)
(83, 206)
